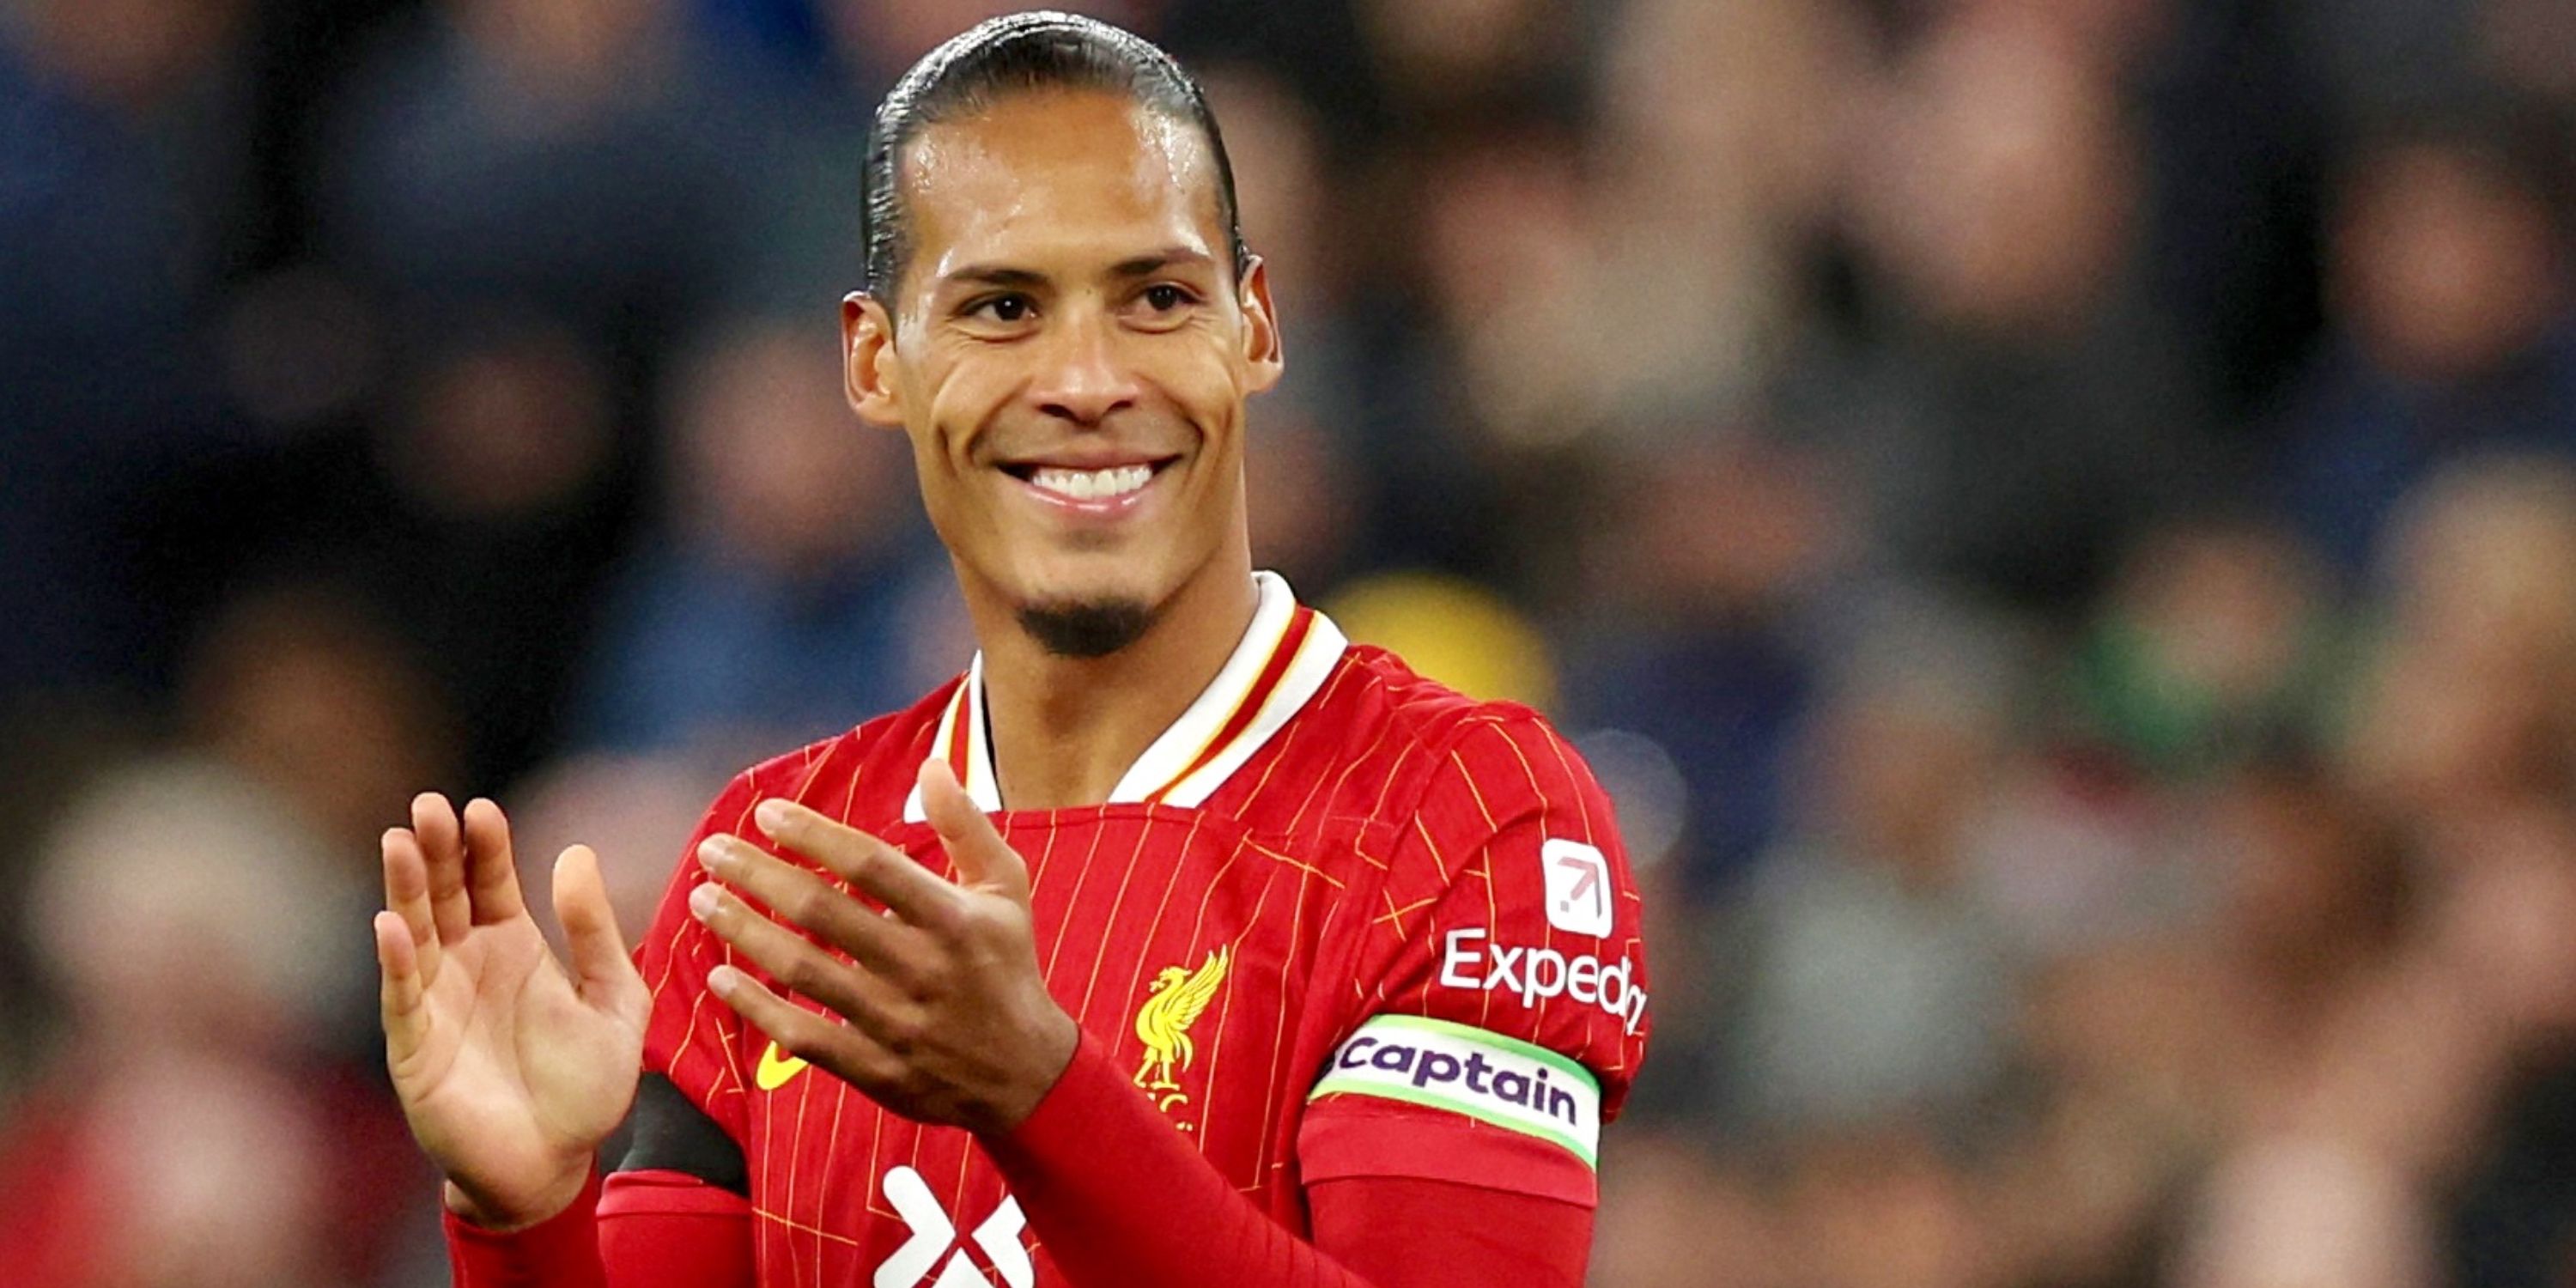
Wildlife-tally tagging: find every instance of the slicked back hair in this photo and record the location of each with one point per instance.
(1023, 53)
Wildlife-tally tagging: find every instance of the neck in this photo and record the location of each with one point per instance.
(1065, 729)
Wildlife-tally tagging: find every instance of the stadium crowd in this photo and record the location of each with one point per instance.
(2056, 520)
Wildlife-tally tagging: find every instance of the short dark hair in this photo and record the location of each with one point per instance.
(1018, 54)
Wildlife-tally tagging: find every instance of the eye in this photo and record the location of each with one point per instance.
(1162, 306)
(1001, 308)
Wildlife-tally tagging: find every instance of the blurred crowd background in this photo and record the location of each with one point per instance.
(2055, 518)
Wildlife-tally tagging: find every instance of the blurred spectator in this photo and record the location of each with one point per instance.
(789, 600)
(1701, 637)
(1671, 1219)
(1725, 128)
(297, 687)
(2452, 330)
(1882, 1209)
(2292, 1213)
(1466, 389)
(487, 515)
(49, 754)
(188, 1132)
(1445, 61)
(557, 155)
(2470, 707)
(1507, 253)
(2445, 1070)
(180, 902)
(2454, 1065)
(2212, 643)
(1870, 987)
(2213, 655)
(2029, 411)
(2530, 45)
(123, 205)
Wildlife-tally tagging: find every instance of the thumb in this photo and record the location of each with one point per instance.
(983, 859)
(604, 974)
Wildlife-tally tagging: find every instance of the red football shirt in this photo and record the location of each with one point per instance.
(1339, 921)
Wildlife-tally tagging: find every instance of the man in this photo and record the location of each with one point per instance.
(1178, 942)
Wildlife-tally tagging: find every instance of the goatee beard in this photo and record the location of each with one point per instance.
(1087, 630)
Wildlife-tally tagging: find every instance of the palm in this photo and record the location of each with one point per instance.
(510, 1069)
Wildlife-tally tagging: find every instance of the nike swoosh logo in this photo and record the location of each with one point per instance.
(776, 1068)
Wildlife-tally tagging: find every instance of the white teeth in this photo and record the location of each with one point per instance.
(1092, 485)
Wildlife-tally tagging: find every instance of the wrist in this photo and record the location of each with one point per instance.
(1085, 1099)
(1054, 1054)
(519, 1212)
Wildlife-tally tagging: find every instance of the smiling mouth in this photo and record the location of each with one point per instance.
(1106, 483)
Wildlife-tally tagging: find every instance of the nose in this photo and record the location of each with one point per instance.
(1082, 377)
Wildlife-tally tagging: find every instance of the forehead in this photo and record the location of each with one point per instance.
(1059, 176)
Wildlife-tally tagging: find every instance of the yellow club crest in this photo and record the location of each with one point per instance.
(776, 1067)
(1173, 1002)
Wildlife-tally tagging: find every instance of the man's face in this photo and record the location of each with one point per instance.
(1069, 352)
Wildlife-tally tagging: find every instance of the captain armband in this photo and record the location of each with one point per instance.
(1502, 1081)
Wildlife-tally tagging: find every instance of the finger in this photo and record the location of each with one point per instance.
(846, 1052)
(407, 896)
(442, 848)
(795, 962)
(491, 867)
(602, 972)
(884, 945)
(400, 988)
(912, 891)
(984, 860)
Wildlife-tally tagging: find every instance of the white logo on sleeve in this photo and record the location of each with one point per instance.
(933, 1234)
(1471, 959)
(1578, 888)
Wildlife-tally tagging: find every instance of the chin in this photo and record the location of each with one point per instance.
(1091, 626)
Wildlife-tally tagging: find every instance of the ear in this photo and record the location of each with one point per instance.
(869, 377)
(1263, 359)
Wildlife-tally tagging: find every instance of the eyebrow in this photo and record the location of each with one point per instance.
(1026, 279)
(996, 275)
(1170, 257)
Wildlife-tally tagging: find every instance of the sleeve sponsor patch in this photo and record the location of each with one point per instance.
(1579, 895)
(1503, 1081)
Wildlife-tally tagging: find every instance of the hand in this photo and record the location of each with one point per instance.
(510, 1070)
(944, 1017)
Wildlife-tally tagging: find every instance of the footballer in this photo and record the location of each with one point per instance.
(1177, 941)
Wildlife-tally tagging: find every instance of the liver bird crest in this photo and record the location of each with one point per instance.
(1176, 999)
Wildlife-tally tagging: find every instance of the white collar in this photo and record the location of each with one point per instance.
(1279, 666)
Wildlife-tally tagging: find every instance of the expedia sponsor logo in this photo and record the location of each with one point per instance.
(1503, 1081)
(1534, 975)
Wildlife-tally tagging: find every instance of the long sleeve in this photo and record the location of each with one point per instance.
(646, 1229)
(1120, 1200)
